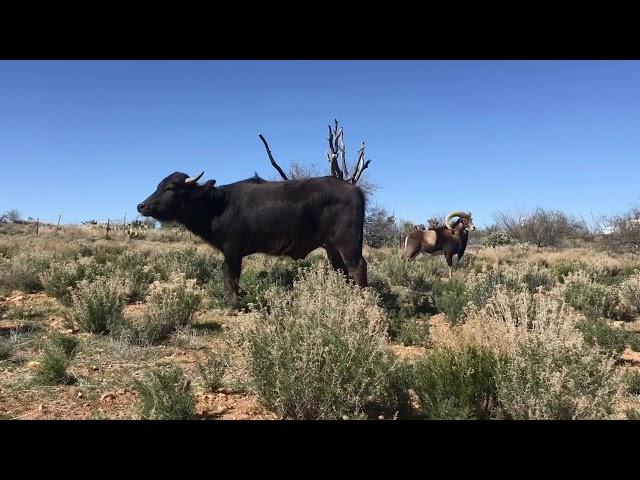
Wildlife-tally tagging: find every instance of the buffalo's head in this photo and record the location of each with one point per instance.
(174, 197)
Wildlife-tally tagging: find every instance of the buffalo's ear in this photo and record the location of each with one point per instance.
(209, 184)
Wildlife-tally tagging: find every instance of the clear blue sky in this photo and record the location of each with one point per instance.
(94, 138)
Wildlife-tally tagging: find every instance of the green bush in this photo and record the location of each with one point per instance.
(6, 348)
(414, 332)
(53, 367)
(565, 267)
(212, 371)
(166, 395)
(451, 297)
(98, 305)
(632, 382)
(68, 345)
(536, 279)
(599, 332)
(593, 299)
(456, 384)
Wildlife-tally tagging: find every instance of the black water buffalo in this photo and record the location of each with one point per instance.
(289, 218)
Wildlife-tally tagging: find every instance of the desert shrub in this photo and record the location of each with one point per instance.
(633, 340)
(170, 305)
(451, 297)
(456, 384)
(412, 281)
(601, 333)
(269, 273)
(52, 369)
(632, 382)
(387, 298)
(98, 305)
(414, 332)
(629, 295)
(61, 276)
(107, 252)
(546, 369)
(317, 351)
(497, 239)
(68, 345)
(132, 266)
(6, 348)
(212, 371)
(593, 299)
(563, 268)
(165, 394)
(257, 282)
(188, 261)
(535, 278)
(22, 271)
(481, 286)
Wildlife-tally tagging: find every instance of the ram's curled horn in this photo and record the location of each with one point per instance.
(457, 213)
(193, 179)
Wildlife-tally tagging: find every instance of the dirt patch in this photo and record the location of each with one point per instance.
(630, 357)
(233, 406)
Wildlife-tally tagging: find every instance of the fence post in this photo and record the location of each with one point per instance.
(58, 225)
(108, 228)
(37, 225)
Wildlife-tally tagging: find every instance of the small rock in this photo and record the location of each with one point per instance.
(86, 404)
(79, 395)
(107, 396)
(94, 368)
(219, 410)
(41, 407)
(4, 315)
(344, 417)
(121, 391)
(381, 417)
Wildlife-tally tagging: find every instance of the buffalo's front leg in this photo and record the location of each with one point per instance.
(232, 269)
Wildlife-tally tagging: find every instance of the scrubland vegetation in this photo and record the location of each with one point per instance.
(138, 326)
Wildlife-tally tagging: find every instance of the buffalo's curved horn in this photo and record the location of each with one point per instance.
(191, 180)
(456, 213)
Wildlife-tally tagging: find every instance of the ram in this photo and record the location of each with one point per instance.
(450, 239)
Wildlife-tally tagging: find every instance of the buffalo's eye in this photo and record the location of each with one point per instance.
(171, 187)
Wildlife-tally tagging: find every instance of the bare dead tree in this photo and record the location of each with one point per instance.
(337, 151)
(337, 148)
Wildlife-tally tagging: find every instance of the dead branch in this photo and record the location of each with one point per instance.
(273, 162)
(361, 165)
